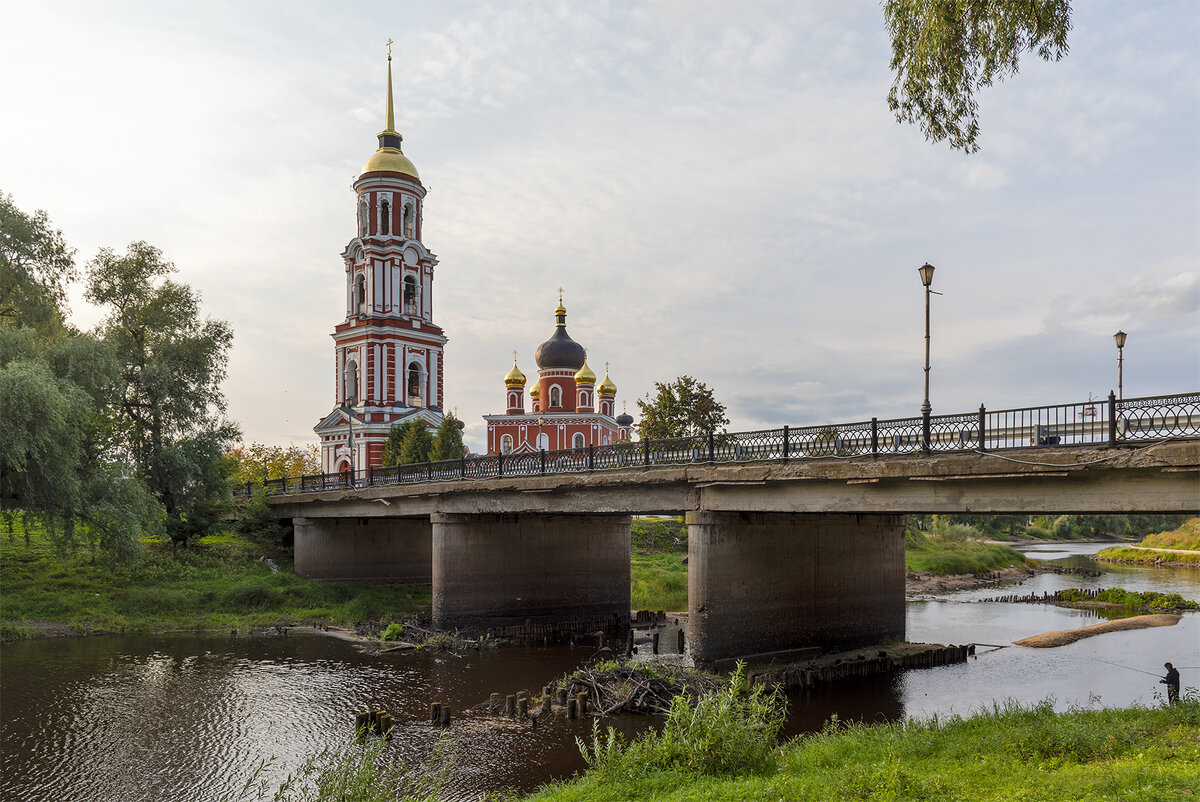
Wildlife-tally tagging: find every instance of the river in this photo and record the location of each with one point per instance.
(185, 718)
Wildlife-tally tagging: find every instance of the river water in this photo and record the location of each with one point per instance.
(190, 718)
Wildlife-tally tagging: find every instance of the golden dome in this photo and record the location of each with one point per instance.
(585, 375)
(534, 391)
(390, 160)
(607, 387)
(515, 378)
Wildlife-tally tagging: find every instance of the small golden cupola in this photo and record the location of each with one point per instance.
(585, 374)
(389, 158)
(514, 378)
(607, 387)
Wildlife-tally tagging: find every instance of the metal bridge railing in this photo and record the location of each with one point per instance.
(1108, 422)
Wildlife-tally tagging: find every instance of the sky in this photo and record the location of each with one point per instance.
(719, 188)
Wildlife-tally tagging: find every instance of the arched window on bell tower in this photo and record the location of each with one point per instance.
(351, 382)
(415, 380)
(385, 218)
(364, 218)
(409, 220)
(360, 294)
(412, 304)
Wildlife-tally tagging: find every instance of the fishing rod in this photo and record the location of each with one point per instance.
(1128, 668)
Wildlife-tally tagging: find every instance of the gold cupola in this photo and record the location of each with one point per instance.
(585, 374)
(515, 378)
(607, 387)
(389, 158)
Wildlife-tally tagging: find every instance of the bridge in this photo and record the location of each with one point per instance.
(795, 535)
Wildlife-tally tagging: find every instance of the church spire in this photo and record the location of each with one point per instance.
(389, 137)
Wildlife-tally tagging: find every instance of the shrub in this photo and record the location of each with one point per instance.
(392, 632)
(251, 595)
(731, 732)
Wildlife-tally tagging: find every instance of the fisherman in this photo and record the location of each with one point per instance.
(1172, 683)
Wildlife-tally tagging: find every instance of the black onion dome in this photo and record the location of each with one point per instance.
(560, 351)
(624, 419)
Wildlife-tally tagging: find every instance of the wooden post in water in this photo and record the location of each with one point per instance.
(582, 697)
(385, 724)
(494, 703)
(562, 697)
(510, 705)
(362, 724)
(572, 708)
(654, 644)
(435, 713)
(681, 644)
(445, 714)
(523, 707)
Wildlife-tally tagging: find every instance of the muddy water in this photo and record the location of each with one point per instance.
(187, 718)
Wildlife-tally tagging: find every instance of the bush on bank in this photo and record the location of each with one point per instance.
(1008, 752)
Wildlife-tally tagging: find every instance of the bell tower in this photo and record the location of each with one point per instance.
(387, 351)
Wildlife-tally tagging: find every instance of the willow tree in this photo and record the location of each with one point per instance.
(945, 51)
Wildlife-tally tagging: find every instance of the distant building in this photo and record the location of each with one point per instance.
(388, 351)
(567, 408)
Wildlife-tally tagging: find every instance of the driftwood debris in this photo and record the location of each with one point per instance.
(635, 689)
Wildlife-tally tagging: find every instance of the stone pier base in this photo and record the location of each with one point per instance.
(392, 550)
(769, 582)
(492, 571)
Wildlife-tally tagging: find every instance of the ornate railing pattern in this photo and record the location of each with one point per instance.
(1108, 421)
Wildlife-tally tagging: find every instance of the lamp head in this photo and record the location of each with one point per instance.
(926, 271)
(1120, 338)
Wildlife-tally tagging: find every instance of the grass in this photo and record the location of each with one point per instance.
(1186, 536)
(953, 552)
(658, 577)
(1124, 554)
(219, 583)
(1009, 752)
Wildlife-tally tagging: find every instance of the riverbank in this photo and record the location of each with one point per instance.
(1003, 753)
(1177, 548)
(222, 583)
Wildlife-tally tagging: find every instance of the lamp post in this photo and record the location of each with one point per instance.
(1119, 337)
(348, 408)
(926, 271)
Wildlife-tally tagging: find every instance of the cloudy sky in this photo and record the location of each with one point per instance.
(719, 187)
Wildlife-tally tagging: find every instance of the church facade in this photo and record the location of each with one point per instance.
(568, 410)
(388, 352)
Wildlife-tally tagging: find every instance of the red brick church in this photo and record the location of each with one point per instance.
(567, 408)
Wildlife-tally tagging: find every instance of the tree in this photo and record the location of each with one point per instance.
(682, 408)
(945, 51)
(447, 441)
(169, 415)
(407, 443)
(254, 462)
(36, 266)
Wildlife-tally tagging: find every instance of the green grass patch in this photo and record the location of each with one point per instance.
(954, 553)
(658, 575)
(218, 583)
(1010, 752)
(1185, 537)
(1124, 554)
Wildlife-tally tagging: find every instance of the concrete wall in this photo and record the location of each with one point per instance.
(493, 571)
(396, 550)
(766, 582)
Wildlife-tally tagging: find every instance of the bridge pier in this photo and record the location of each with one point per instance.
(500, 570)
(763, 582)
(398, 550)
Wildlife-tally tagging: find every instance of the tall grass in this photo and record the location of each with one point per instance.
(731, 732)
(953, 549)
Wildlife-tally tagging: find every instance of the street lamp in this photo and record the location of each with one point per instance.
(348, 408)
(1119, 337)
(926, 271)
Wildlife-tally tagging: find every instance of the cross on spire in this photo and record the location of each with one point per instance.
(389, 48)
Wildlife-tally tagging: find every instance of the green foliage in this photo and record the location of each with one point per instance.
(731, 732)
(1184, 535)
(945, 51)
(447, 441)
(953, 549)
(393, 631)
(219, 583)
(36, 267)
(682, 408)
(1000, 754)
(407, 443)
(1121, 554)
(254, 462)
(659, 534)
(658, 575)
(170, 415)
(253, 518)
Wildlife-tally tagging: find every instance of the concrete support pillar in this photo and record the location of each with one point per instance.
(396, 550)
(763, 582)
(492, 571)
